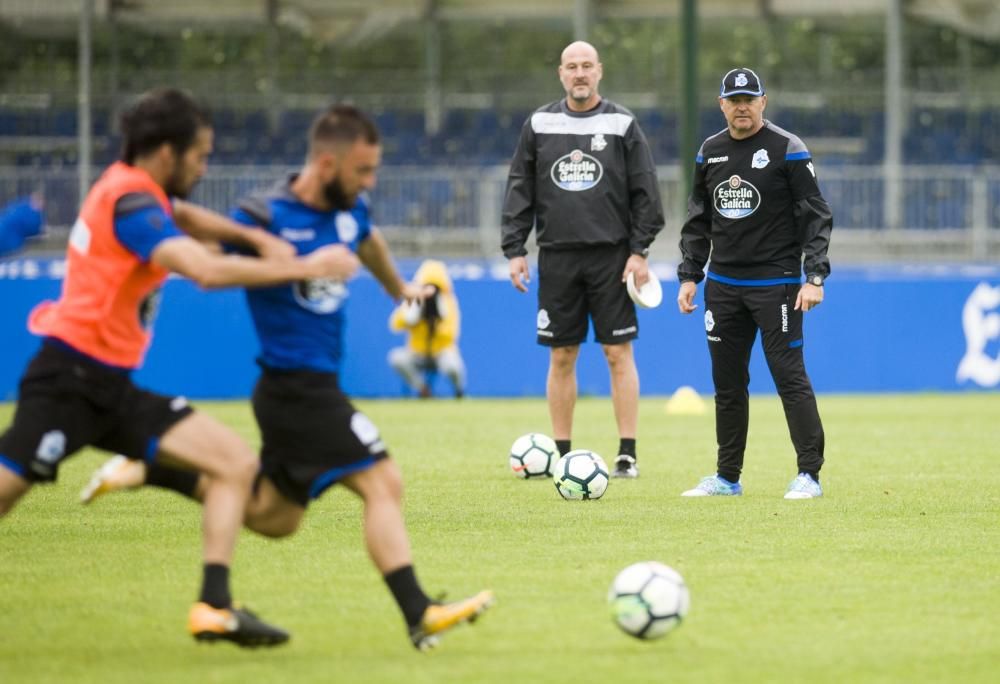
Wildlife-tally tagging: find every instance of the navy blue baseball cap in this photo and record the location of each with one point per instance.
(741, 81)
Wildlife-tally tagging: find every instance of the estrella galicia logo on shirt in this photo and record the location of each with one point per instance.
(320, 295)
(577, 171)
(736, 198)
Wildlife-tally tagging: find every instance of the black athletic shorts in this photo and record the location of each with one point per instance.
(575, 283)
(68, 401)
(311, 434)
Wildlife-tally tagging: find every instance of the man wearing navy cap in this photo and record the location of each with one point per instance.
(757, 209)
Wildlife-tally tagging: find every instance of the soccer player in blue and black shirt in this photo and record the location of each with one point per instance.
(312, 436)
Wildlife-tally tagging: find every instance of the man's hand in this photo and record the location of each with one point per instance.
(636, 264)
(332, 261)
(416, 293)
(270, 246)
(520, 276)
(685, 296)
(810, 296)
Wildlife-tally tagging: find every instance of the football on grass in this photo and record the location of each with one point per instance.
(581, 474)
(648, 599)
(533, 455)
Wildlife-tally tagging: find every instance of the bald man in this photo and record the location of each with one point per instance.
(583, 176)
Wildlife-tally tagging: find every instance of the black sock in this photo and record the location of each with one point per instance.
(627, 447)
(564, 446)
(215, 586)
(182, 481)
(411, 598)
(813, 475)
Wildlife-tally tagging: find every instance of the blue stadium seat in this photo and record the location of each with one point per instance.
(486, 136)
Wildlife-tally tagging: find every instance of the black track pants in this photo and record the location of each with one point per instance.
(733, 315)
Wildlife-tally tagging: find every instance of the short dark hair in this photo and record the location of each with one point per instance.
(163, 115)
(342, 124)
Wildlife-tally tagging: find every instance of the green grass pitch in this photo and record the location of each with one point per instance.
(894, 576)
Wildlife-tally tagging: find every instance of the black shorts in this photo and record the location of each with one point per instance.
(575, 283)
(68, 401)
(311, 434)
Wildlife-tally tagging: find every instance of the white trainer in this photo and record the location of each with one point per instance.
(118, 472)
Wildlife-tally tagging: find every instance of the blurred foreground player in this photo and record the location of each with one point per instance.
(312, 436)
(78, 391)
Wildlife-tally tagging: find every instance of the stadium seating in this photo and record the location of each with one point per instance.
(484, 137)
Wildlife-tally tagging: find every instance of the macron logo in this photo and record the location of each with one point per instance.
(716, 160)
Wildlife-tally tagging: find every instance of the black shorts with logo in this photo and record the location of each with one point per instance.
(575, 283)
(312, 436)
(67, 401)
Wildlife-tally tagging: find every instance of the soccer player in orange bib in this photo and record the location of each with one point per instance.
(77, 390)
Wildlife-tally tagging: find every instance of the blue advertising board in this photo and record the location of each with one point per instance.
(881, 329)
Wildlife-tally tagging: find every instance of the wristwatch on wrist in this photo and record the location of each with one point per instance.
(815, 279)
(644, 252)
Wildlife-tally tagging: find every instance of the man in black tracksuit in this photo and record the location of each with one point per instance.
(583, 177)
(756, 207)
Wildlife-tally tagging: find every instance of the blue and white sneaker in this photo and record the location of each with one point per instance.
(803, 487)
(713, 485)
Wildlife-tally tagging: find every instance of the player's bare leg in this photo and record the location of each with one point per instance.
(12, 488)
(381, 489)
(229, 466)
(560, 390)
(625, 399)
(268, 511)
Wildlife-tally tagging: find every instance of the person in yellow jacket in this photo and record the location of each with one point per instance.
(433, 329)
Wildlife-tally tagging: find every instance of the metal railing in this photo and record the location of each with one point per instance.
(948, 212)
